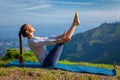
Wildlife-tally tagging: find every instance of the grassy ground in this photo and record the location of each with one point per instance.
(16, 73)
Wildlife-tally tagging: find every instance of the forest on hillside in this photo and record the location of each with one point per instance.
(99, 45)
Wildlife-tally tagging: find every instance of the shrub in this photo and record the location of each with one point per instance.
(12, 54)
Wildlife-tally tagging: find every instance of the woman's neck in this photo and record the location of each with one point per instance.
(31, 36)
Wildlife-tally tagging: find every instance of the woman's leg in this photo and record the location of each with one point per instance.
(53, 56)
(75, 23)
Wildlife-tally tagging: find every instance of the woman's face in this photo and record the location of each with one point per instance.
(31, 28)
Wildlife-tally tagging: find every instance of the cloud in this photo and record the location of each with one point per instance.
(111, 0)
(70, 2)
(38, 7)
(38, 11)
(52, 4)
(96, 17)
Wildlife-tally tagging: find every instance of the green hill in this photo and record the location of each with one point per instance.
(100, 45)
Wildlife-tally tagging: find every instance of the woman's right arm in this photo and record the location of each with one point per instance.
(50, 40)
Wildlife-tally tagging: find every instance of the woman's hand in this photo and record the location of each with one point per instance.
(62, 38)
(65, 37)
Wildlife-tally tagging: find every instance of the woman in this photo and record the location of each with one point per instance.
(38, 44)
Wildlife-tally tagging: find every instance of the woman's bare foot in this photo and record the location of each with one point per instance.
(76, 20)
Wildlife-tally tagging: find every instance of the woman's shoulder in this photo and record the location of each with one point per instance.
(34, 38)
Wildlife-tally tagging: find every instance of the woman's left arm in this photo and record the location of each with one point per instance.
(63, 37)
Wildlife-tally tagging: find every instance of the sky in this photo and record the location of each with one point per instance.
(58, 13)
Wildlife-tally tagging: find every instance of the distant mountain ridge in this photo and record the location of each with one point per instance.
(101, 44)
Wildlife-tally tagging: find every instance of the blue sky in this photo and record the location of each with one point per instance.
(58, 12)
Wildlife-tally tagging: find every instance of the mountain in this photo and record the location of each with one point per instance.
(99, 45)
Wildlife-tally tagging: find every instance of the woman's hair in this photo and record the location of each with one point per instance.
(23, 32)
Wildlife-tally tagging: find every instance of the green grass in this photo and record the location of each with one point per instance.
(109, 66)
(16, 73)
